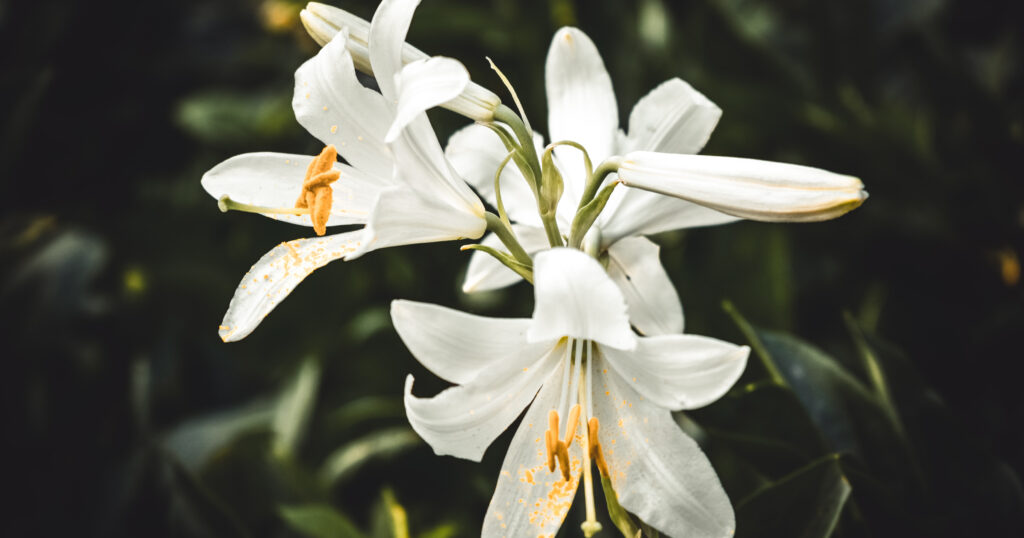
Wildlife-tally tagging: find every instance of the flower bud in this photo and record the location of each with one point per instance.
(323, 22)
(748, 188)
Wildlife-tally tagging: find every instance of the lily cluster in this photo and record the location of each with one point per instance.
(603, 361)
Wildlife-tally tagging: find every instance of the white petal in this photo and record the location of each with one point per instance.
(421, 166)
(639, 212)
(654, 306)
(404, 217)
(323, 22)
(276, 274)
(334, 107)
(425, 84)
(457, 346)
(476, 153)
(658, 472)
(749, 188)
(530, 500)
(672, 118)
(581, 102)
(680, 371)
(463, 421)
(574, 297)
(486, 273)
(388, 28)
(274, 180)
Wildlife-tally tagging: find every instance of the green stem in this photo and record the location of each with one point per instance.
(508, 261)
(508, 237)
(587, 214)
(507, 116)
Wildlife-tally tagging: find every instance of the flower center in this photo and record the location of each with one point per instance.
(577, 390)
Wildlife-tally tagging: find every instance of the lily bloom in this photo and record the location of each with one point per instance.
(666, 128)
(397, 182)
(599, 393)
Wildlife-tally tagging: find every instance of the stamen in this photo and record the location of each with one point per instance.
(596, 453)
(563, 404)
(511, 90)
(225, 203)
(316, 193)
(563, 460)
(574, 422)
(550, 443)
(590, 378)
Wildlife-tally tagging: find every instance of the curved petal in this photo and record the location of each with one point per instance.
(457, 346)
(335, 108)
(275, 179)
(581, 104)
(486, 273)
(276, 274)
(388, 29)
(463, 421)
(646, 213)
(749, 188)
(476, 153)
(425, 84)
(530, 500)
(403, 217)
(680, 371)
(654, 306)
(575, 297)
(672, 118)
(658, 472)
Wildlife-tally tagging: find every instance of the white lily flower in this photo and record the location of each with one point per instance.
(323, 22)
(598, 391)
(672, 118)
(398, 182)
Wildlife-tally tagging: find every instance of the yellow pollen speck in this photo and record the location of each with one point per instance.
(525, 369)
(334, 129)
(325, 108)
(307, 96)
(359, 138)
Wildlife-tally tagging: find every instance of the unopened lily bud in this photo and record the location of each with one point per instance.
(552, 186)
(748, 188)
(323, 22)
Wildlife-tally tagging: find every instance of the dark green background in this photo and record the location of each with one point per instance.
(117, 267)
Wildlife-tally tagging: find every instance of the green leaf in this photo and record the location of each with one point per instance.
(295, 408)
(365, 409)
(380, 444)
(804, 504)
(194, 442)
(318, 521)
(619, 516)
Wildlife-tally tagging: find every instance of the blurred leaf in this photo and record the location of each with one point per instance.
(380, 444)
(766, 424)
(219, 117)
(389, 517)
(295, 407)
(365, 409)
(804, 504)
(195, 506)
(319, 521)
(444, 530)
(195, 441)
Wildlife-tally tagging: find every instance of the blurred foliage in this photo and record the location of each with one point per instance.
(127, 416)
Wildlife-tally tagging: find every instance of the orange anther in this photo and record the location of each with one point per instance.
(563, 459)
(316, 193)
(550, 443)
(574, 421)
(596, 453)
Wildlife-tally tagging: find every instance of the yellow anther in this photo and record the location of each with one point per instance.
(563, 459)
(317, 194)
(574, 422)
(596, 453)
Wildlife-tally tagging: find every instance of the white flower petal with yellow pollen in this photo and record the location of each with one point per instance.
(660, 472)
